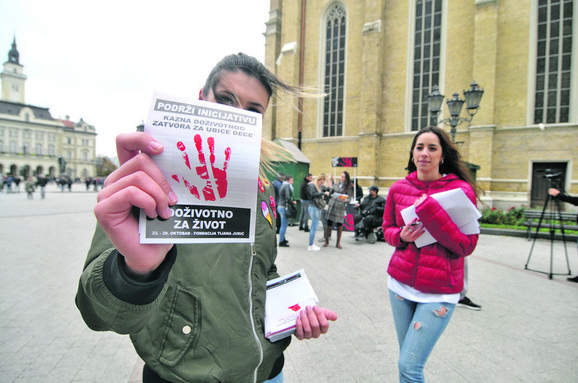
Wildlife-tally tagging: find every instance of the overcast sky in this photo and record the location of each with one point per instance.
(102, 60)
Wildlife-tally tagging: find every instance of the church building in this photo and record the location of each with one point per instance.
(32, 142)
(380, 61)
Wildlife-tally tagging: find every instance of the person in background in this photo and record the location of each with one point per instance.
(316, 204)
(17, 183)
(285, 198)
(42, 182)
(340, 196)
(327, 186)
(569, 199)
(194, 312)
(304, 197)
(358, 191)
(29, 187)
(370, 213)
(425, 283)
(277, 186)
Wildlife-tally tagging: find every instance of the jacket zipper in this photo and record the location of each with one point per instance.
(260, 346)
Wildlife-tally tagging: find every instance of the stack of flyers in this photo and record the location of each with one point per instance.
(286, 297)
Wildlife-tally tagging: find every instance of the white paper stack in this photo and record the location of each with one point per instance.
(286, 297)
(460, 209)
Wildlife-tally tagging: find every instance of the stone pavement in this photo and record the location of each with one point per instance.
(525, 332)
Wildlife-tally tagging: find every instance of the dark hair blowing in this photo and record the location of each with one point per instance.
(452, 160)
(249, 65)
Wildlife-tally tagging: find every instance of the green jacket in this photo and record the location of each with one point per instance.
(202, 318)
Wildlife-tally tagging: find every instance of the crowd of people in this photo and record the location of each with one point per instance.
(323, 200)
(11, 184)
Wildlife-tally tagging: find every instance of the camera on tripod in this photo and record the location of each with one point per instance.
(553, 177)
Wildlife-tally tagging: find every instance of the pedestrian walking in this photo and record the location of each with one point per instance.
(427, 280)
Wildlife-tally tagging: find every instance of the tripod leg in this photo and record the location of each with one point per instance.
(538, 229)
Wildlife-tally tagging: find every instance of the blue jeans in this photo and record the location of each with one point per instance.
(277, 379)
(418, 327)
(284, 222)
(314, 214)
(304, 217)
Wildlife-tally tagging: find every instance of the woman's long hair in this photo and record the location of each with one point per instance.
(347, 186)
(270, 152)
(319, 178)
(452, 160)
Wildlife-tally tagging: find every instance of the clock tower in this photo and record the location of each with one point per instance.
(13, 77)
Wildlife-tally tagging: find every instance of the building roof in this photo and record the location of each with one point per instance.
(297, 154)
(13, 109)
(67, 123)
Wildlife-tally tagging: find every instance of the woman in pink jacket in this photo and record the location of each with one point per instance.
(425, 283)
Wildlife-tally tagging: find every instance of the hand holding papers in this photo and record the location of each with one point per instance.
(286, 297)
(458, 206)
(211, 160)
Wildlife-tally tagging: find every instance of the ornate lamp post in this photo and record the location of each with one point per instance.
(473, 96)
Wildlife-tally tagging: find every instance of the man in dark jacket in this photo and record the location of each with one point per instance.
(304, 197)
(370, 213)
(277, 186)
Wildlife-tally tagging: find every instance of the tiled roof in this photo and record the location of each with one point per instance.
(12, 108)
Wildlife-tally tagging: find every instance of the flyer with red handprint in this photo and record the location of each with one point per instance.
(211, 160)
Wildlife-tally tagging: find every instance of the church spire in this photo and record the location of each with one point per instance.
(13, 55)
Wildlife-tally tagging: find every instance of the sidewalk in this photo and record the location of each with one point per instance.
(525, 331)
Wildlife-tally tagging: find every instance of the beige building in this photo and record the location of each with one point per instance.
(379, 59)
(32, 142)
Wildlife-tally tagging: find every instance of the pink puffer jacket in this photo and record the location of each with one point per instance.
(437, 268)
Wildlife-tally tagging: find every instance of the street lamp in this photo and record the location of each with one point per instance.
(473, 96)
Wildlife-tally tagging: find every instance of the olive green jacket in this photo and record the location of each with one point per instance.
(202, 318)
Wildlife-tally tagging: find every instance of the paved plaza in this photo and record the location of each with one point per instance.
(525, 332)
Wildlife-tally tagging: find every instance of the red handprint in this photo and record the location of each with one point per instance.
(211, 174)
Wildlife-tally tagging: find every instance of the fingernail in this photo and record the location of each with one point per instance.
(155, 145)
(168, 213)
(172, 198)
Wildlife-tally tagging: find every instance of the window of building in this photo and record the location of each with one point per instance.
(26, 149)
(1, 146)
(553, 61)
(334, 70)
(38, 149)
(426, 58)
(51, 150)
(12, 147)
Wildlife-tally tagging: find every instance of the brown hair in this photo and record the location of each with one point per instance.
(452, 162)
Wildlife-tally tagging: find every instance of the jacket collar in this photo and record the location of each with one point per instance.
(439, 183)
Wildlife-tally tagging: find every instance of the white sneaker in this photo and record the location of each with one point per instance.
(313, 248)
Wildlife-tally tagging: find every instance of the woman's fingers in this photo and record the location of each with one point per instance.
(129, 145)
(142, 163)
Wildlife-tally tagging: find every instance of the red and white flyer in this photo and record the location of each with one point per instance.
(211, 160)
(286, 297)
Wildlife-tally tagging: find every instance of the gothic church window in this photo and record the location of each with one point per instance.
(426, 58)
(553, 61)
(334, 70)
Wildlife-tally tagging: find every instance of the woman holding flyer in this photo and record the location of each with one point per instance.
(425, 283)
(194, 312)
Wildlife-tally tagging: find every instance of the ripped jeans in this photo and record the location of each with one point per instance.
(418, 326)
